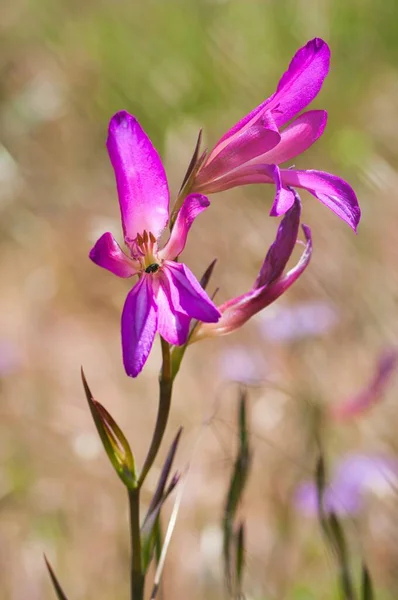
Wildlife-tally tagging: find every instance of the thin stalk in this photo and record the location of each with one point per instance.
(137, 576)
(165, 389)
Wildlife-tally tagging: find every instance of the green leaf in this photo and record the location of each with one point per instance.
(240, 558)
(367, 585)
(236, 487)
(150, 527)
(113, 439)
(58, 590)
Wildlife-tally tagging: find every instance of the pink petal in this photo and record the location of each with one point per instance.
(297, 87)
(192, 206)
(374, 390)
(244, 175)
(255, 138)
(355, 475)
(330, 190)
(173, 326)
(237, 311)
(280, 251)
(140, 177)
(188, 297)
(284, 197)
(302, 81)
(280, 286)
(139, 323)
(107, 254)
(296, 138)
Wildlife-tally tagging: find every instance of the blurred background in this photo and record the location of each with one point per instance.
(65, 68)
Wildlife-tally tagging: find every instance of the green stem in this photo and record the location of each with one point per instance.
(165, 389)
(137, 576)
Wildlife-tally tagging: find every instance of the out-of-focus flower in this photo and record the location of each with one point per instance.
(271, 281)
(355, 475)
(167, 295)
(373, 392)
(251, 151)
(242, 364)
(299, 321)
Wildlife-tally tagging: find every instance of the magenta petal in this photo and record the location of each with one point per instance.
(187, 295)
(243, 146)
(108, 254)
(282, 248)
(296, 89)
(330, 190)
(139, 323)
(284, 197)
(173, 326)
(192, 206)
(140, 177)
(281, 285)
(374, 390)
(302, 81)
(296, 138)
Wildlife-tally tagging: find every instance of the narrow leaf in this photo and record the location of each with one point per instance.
(338, 542)
(367, 585)
(207, 274)
(235, 491)
(58, 590)
(193, 161)
(240, 558)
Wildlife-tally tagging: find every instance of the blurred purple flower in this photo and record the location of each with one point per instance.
(242, 364)
(298, 321)
(271, 281)
(10, 358)
(373, 392)
(355, 475)
(167, 295)
(251, 151)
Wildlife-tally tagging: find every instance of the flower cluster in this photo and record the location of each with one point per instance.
(167, 296)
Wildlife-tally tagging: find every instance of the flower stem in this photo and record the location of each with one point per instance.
(137, 576)
(165, 389)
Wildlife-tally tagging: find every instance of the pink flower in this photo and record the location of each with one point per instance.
(271, 281)
(355, 475)
(374, 390)
(167, 295)
(253, 149)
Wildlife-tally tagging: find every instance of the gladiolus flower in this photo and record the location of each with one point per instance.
(271, 281)
(355, 475)
(167, 295)
(374, 391)
(253, 149)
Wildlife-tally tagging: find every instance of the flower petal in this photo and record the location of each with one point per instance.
(188, 297)
(237, 311)
(284, 197)
(173, 325)
(355, 475)
(192, 206)
(296, 89)
(108, 254)
(282, 248)
(282, 284)
(140, 177)
(139, 323)
(245, 145)
(296, 138)
(332, 191)
(374, 390)
(302, 81)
